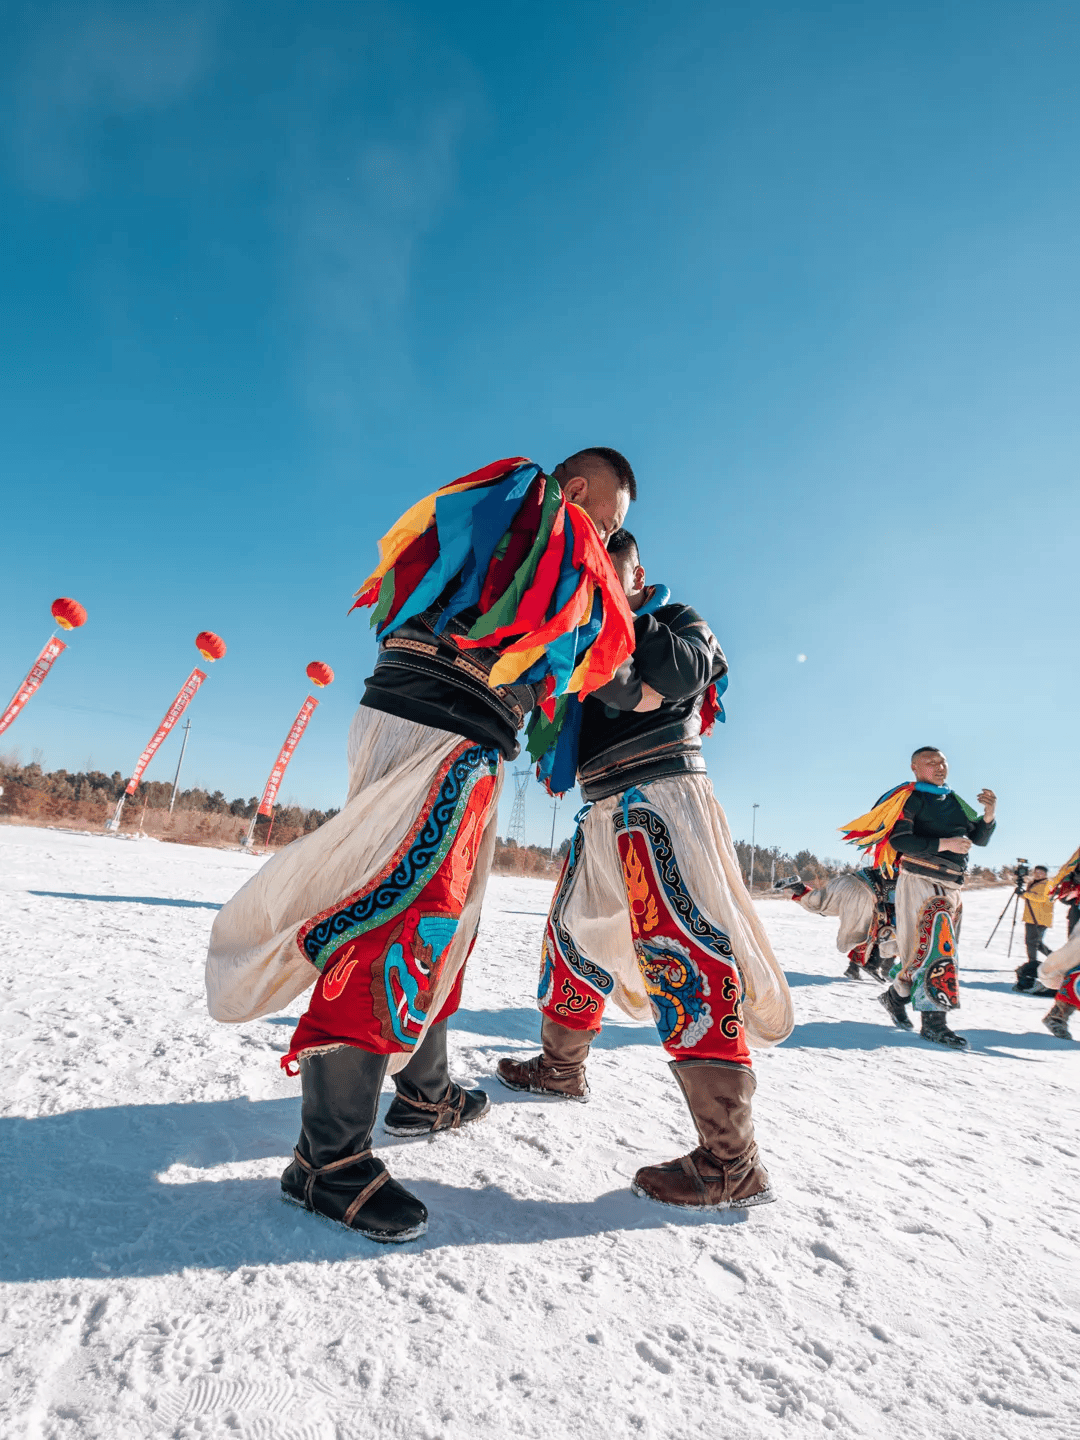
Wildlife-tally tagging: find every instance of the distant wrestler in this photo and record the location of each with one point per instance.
(865, 902)
(1060, 971)
(1065, 888)
(651, 911)
(1060, 974)
(931, 830)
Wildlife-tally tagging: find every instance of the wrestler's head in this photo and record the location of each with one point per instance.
(622, 547)
(602, 483)
(929, 764)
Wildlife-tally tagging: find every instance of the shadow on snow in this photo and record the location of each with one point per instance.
(128, 899)
(83, 1197)
(863, 1035)
(521, 1026)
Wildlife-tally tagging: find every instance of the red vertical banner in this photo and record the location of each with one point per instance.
(175, 710)
(40, 668)
(266, 805)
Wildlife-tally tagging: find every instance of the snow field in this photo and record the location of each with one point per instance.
(919, 1277)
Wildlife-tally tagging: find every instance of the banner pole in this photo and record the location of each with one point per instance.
(184, 696)
(320, 675)
(273, 784)
(50, 651)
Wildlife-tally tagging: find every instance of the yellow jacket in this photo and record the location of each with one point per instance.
(1038, 910)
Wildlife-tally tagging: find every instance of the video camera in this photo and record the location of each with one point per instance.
(1021, 870)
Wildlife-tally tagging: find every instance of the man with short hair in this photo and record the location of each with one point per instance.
(929, 830)
(1038, 917)
(491, 595)
(932, 830)
(651, 910)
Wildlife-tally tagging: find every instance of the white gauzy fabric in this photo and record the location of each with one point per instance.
(254, 965)
(596, 912)
(1059, 962)
(851, 899)
(912, 893)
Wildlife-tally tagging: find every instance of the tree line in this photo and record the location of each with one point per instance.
(94, 785)
(291, 821)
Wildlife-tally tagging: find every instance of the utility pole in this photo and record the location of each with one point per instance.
(753, 847)
(176, 777)
(554, 812)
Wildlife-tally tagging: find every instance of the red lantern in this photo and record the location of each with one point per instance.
(320, 674)
(68, 614)
(209, 645)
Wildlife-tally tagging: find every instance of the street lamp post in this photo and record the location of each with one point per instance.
(753, 847)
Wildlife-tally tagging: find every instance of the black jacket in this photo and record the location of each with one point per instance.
(421, 676)
(925, 820)
(676, 653)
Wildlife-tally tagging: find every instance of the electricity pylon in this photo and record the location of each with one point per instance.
(516, 831)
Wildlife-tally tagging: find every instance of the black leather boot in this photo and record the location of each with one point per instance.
(427, 1099)
(1025, 977)
(935, 1029)
(894, 1004)
(334, 1172)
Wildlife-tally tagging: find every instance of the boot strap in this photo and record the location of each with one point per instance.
(448, 1105)
(687, 1163)
(314, 1171)
(731, 1171)
(561, 1070)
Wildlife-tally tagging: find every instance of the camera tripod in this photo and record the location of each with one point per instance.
(1016, 896)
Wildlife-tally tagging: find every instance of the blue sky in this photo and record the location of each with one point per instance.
(267, 275)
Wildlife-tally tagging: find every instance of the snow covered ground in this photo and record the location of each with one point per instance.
(920, 1276)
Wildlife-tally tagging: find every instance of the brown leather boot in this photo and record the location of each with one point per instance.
(1056, 1020)
(559, 1071)
(723, 1173)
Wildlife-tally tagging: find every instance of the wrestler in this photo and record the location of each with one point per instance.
(493, 595)
(932, 830)
(1065, 887)
(651, 911)
(865, 901)
(1060, 974)
(1060, 971)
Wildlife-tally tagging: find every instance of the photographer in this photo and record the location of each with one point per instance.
(1038, 917)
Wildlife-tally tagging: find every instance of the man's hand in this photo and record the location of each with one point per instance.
(650, 699)
(988, 800)
(958, 844)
